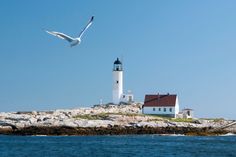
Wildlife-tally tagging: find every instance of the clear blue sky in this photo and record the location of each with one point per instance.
(183, 47)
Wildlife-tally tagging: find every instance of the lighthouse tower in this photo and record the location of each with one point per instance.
(117, 81)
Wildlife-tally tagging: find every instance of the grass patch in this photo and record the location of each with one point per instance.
(189, 120)
(126, 114)
(104, 116)
(157, 116)
(214, 119)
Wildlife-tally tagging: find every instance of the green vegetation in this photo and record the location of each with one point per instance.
(163, 118)
(126, 114)
(189, 120)
(214, 119)
(104, 116)
(156, 116)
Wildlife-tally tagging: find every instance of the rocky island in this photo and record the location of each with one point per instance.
(107, 120)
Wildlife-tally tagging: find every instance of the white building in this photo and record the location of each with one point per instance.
(127, 97)
(117, 91)
(163, 105)
(186, 113)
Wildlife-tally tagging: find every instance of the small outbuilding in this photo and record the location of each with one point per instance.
(161, 104)
(186, 113)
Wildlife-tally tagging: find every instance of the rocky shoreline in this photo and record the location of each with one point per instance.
(70, 131)
(107, 120)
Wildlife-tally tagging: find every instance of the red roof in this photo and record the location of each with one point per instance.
(160, 100)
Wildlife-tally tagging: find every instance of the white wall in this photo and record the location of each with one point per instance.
(117, 87)
(185, 114)
(149, 110)
(177, 106)
(126, 97)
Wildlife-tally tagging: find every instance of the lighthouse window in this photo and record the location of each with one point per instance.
(117, 82)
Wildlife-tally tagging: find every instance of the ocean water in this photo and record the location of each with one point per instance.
(117, 146)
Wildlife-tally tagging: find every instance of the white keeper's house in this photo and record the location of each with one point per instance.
(161, 104)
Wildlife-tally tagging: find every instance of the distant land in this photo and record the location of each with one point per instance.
(107, 119)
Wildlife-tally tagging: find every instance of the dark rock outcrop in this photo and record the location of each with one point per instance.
(115, 130)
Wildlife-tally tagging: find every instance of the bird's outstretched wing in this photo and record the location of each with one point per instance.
(61, 35)
(86, 27)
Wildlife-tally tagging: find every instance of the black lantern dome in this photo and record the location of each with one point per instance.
(117, 65)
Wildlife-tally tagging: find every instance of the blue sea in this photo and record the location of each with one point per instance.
(117, 146)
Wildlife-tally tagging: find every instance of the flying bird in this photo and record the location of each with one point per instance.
(73, 41)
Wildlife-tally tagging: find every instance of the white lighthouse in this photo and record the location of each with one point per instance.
(117, 81)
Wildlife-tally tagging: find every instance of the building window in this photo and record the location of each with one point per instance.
(123, 96)
(130, 98)
(170, 109)
(188, 113)
(117, 82)
(164, 109)
(159, 109)
(153, 109)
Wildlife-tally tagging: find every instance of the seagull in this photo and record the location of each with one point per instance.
(71, 40)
